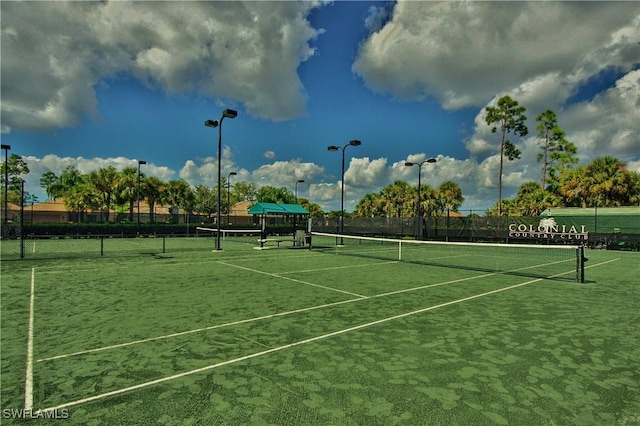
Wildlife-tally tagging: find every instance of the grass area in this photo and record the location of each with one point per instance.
(293, 337)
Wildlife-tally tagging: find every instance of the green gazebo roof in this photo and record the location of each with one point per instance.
(274, 208)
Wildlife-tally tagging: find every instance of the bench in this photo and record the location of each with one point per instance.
(263, 241)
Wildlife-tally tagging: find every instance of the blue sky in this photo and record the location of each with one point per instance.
(92, 85)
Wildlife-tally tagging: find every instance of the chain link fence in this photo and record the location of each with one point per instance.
(611, 232)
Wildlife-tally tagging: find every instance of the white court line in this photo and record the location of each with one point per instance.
(294, 280)
(28, 383)
(197, 330)
(279, 314)
(290, 345)
(277, 349)
(331, 268)
(167, 263)
(296, 311)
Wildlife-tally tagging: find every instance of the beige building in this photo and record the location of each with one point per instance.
(55, 211)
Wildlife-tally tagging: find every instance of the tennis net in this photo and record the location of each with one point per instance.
(248, 236)
(563, 262)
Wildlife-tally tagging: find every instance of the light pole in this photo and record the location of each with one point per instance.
(227, 113)
(6, 182)
(299, 181)
(294, 216)
(409, 164)
(354, 142)
(229, 194)
(140, 162)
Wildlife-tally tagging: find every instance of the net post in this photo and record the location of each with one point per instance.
(580, 263)
(164, 237)
(399, 250)
(101, 245)
(21, 220)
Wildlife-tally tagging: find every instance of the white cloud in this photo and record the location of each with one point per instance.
(363, 172)
(286, 174)
(463, 53)
(54, 53)
(610, 123)
(634, 166)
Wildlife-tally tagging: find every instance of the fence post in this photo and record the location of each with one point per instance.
(21, 220)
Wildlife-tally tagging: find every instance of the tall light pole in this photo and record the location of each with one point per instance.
(299, 181)
(227, 113)
(294, 216)
(6, 149)
(229, 194)
(409, 164)
(354, 142)
(140, 162)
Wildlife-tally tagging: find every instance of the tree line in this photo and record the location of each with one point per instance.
(605, 182)
(106, 187)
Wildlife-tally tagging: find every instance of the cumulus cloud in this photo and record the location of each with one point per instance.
(55, 53)
(610, 123)
(287, 173)
(363, 172)
(204, 170)
(463, 53)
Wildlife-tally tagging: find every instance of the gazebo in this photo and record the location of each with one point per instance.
(282, 210)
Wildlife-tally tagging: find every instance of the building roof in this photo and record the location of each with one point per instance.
(273, 208)
(240, 208)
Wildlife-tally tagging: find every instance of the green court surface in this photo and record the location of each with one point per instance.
(297, 337)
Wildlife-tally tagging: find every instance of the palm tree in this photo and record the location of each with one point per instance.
(532, 200)
(68, 179)
(449, 197)
(178, 195)
(611, 182)
(574, 187)
(428, 200)
(104, 181)
(368, 206)
(393, 198)
(127, 187)
(81, 197)
(152, 189)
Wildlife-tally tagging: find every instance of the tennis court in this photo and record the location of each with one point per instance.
(290, 337)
